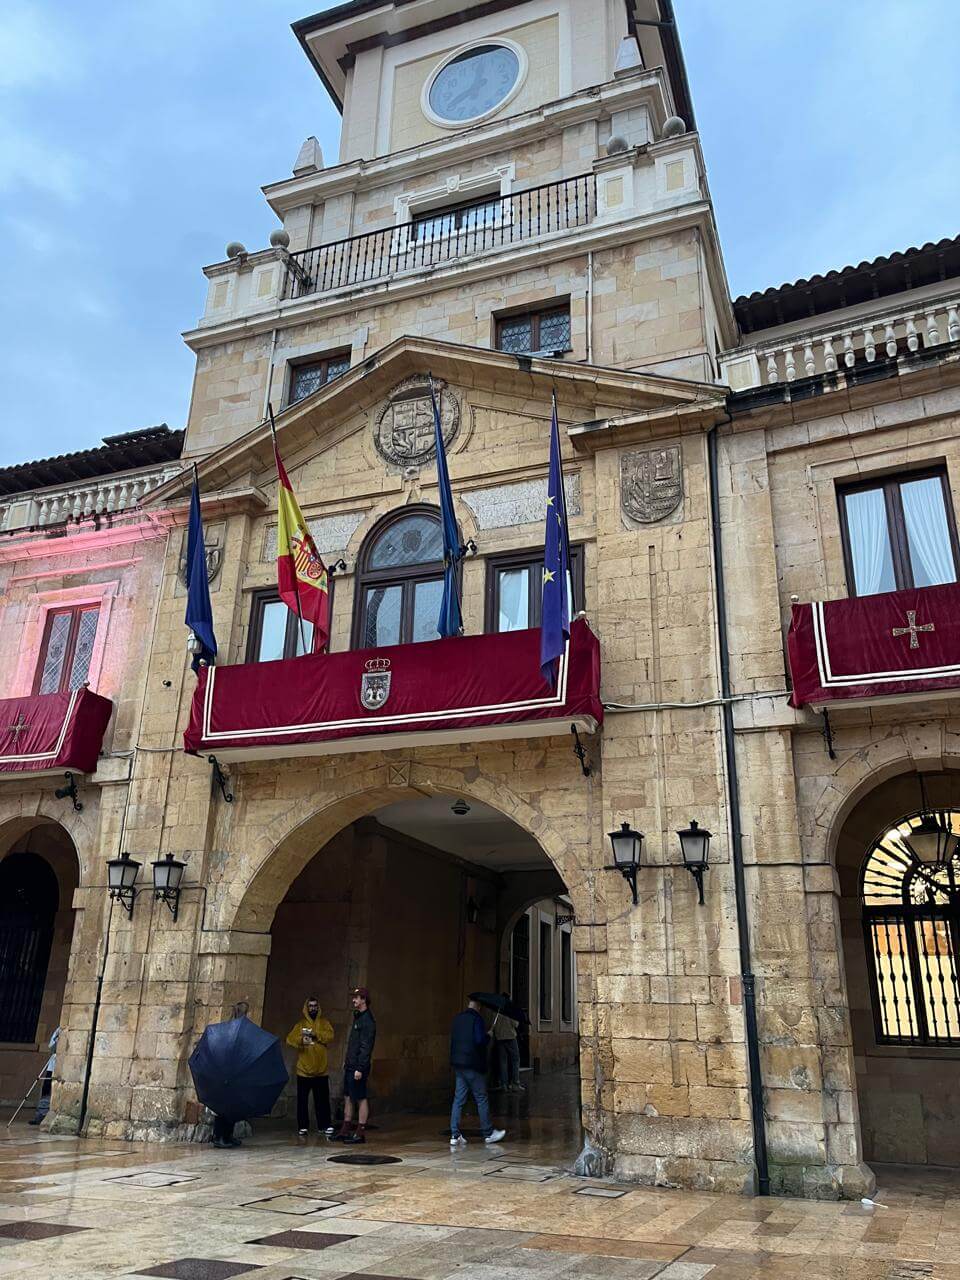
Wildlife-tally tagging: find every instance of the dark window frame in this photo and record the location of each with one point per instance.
(316, 361)
(528, 558)
(534, 314)
(896, 522)
(545, 989)
(405, 577)
(259, 599)
(419, 217)
(567, 981)
(76, 611)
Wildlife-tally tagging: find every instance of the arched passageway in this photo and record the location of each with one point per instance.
(38, 876)
(900, 911)
(424, 901)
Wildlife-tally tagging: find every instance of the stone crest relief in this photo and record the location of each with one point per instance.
(651, 483)
(213, 544)
(403, 433)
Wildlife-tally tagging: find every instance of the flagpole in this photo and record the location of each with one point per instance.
(296, 584)
(457, 586)
(563, 492)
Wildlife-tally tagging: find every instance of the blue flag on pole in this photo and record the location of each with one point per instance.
(450, 622)
(199, 615)
(555, 610)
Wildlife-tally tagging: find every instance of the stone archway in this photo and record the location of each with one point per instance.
(40, 870)
(908, 1096)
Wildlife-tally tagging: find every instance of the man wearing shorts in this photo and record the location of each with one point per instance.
(356, 1069)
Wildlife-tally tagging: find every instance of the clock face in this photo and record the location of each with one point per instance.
(474, 82)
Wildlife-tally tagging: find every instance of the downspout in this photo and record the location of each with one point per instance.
(590, 306)
(736, 833)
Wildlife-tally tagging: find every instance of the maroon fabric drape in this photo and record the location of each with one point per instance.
(51, 731)
(900, 642)
(465, 683)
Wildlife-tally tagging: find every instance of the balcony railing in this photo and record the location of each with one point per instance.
(80, 500)
(427, 242)
(884, 335)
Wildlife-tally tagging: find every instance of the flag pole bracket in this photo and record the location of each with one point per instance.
(580, 751)
(219, 779)
(70, 790)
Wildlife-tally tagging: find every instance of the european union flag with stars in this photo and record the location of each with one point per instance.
(555, 610)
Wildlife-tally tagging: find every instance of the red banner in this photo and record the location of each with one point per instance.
(461, 689)
(900, 642)
(52, 731)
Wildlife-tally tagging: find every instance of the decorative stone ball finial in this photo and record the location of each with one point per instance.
(235, 249)
(617, 145)
(280, 239)
(673, 127)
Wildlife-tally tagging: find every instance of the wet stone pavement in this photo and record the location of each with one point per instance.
(279, 1209)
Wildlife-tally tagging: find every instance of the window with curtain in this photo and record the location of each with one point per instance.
(515, 589)
(911, 927)
(400, 582)
(898, 533)
(275, 630)
(68, 639)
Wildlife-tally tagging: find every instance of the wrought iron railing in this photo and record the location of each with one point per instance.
(427, 241)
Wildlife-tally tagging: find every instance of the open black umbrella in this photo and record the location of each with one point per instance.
(499, 1004)
(238, 1069)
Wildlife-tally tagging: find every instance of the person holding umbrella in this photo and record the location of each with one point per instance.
(238, 1072)
(468, 1057)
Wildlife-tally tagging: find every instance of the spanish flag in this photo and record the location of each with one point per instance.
(302, 577)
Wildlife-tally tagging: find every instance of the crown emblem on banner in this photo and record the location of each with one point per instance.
(377, 664)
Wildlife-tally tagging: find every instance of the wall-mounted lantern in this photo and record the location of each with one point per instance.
(122, 875)
(695, 847)
(627, 846)
(167, 874)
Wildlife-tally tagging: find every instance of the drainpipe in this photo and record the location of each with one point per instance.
(736, 833)
(590, 306)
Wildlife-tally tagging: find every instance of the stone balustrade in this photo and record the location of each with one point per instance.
(66, 504)
(881, 335)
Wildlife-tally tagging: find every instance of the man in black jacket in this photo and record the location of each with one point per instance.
(356, 1068)
(468, 1057)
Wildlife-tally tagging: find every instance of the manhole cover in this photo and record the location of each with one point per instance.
(362, 1157)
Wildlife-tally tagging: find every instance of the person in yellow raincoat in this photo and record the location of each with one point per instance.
(310, 1038)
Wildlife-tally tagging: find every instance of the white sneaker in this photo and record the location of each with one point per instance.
(498, 1135)
(304, 1132)
(331, 1131)
(458, 1141)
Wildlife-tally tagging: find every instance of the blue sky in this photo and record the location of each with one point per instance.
(134, 138)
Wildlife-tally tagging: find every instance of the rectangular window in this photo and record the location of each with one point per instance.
(566, 976)
(898, 533)
(67, 648)
(472, 215)
(546, 970)
(515, 589)
(308, 376)
(545, 329)
(275, 630)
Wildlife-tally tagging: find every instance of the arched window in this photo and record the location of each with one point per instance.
(29, 897)
(400, 584)
(910, 890)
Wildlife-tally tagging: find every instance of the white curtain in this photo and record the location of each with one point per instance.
(513, 600)
(869, 542)
(931, 555)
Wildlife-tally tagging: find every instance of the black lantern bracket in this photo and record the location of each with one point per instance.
(70, 790)
(827, 732)
(220, 779)
(630, 875)
(580, 751)
(697, 873)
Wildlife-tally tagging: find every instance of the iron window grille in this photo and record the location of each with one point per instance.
(29, 900)
(308, 376)
(911, 926)
(545, 329)
(69, 637)
(898, 532)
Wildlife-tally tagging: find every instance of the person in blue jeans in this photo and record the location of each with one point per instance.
(468, 1057)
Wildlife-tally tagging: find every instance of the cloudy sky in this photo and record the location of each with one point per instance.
(134, 138)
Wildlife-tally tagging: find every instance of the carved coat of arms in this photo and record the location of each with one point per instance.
(651, 483)
(404, 428)
(214, 557)
(375, 683)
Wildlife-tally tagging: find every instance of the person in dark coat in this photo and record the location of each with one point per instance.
(468, 1057)
(222, 1135)
(356, 1068)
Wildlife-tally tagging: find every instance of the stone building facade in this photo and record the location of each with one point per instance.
(520, 209)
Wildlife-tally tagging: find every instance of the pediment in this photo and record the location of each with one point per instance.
(378, 415)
